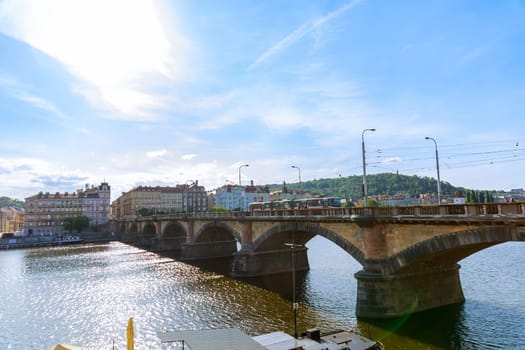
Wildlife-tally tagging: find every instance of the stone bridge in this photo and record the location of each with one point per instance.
(409, 255)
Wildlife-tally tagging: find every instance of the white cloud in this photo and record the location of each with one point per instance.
(302, 31)
(26, 176)
(40, 103)
(118, 48)
(391, 160)
(223, 119)
(16, 90)
(157, 153)
(283, 118)
(188, 156)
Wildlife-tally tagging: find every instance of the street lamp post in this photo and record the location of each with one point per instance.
(299, 170)
(240, 172)
(365, 185)
(437, 168)
(294, 303)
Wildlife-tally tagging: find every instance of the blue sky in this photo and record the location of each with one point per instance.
(163, 92)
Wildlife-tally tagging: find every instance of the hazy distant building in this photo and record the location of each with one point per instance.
(151, 200)
(517, 194)
(45, 212)
(195, 198)
(95, 204)
(11, 219)
(288, 194)
(235, 197)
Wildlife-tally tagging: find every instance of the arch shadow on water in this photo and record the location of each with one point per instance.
(221, 266)
(440, 328)
(280, 283)
(450, 327)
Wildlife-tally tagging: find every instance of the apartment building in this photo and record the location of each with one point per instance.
(45, 212)
(151, 200)
(11, 219)
(235, 197)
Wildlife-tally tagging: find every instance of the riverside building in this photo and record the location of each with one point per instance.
(153, 200)
(235, 197)
(45, 212)
(11, 219)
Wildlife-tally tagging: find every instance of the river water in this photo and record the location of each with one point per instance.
(84, 295)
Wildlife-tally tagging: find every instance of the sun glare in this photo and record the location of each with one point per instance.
(120, 48)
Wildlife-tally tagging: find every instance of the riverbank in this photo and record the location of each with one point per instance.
(99, 237)
(21, 242)
(36, 242)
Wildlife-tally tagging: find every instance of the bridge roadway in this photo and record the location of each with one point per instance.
(409, 255)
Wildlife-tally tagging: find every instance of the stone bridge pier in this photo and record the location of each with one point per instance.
(250, 263)
(208, 250)
(398, 279)
(278, 248)
(394, 295)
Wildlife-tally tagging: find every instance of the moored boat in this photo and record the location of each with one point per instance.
(234, 338)
(17, 242)
(314, 340)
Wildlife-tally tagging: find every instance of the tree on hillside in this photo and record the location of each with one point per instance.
(350, 187)
(10, 202)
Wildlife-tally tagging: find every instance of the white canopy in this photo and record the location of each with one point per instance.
(212, 339)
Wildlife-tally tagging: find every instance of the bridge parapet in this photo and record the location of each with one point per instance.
(473, 214)
(449, 210)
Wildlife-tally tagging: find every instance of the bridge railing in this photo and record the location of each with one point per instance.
(484, 209)
(422, 210)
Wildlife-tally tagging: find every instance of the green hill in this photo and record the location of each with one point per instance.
(378, 184)
(10, 202)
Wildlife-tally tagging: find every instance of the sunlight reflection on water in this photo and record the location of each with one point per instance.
(84, 295)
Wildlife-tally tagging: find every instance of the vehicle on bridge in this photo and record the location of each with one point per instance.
(304, 203)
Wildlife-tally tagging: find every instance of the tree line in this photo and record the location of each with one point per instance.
(10, 202)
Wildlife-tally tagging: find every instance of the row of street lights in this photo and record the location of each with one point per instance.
(365, 184)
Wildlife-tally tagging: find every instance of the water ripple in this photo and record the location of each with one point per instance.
(85, 294)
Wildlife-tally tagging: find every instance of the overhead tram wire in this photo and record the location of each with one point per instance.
(408, 155)
(447, 165)
(458, 146)
(507, 154)
(487, 152)
(389, 153)
(486, 162)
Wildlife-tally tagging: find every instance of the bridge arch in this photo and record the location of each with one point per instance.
(212, 240)
(216, 231)
(149, 230)
(174, 229)
(129, 231)
(446, 250)
(133, 228)
(301, 233)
